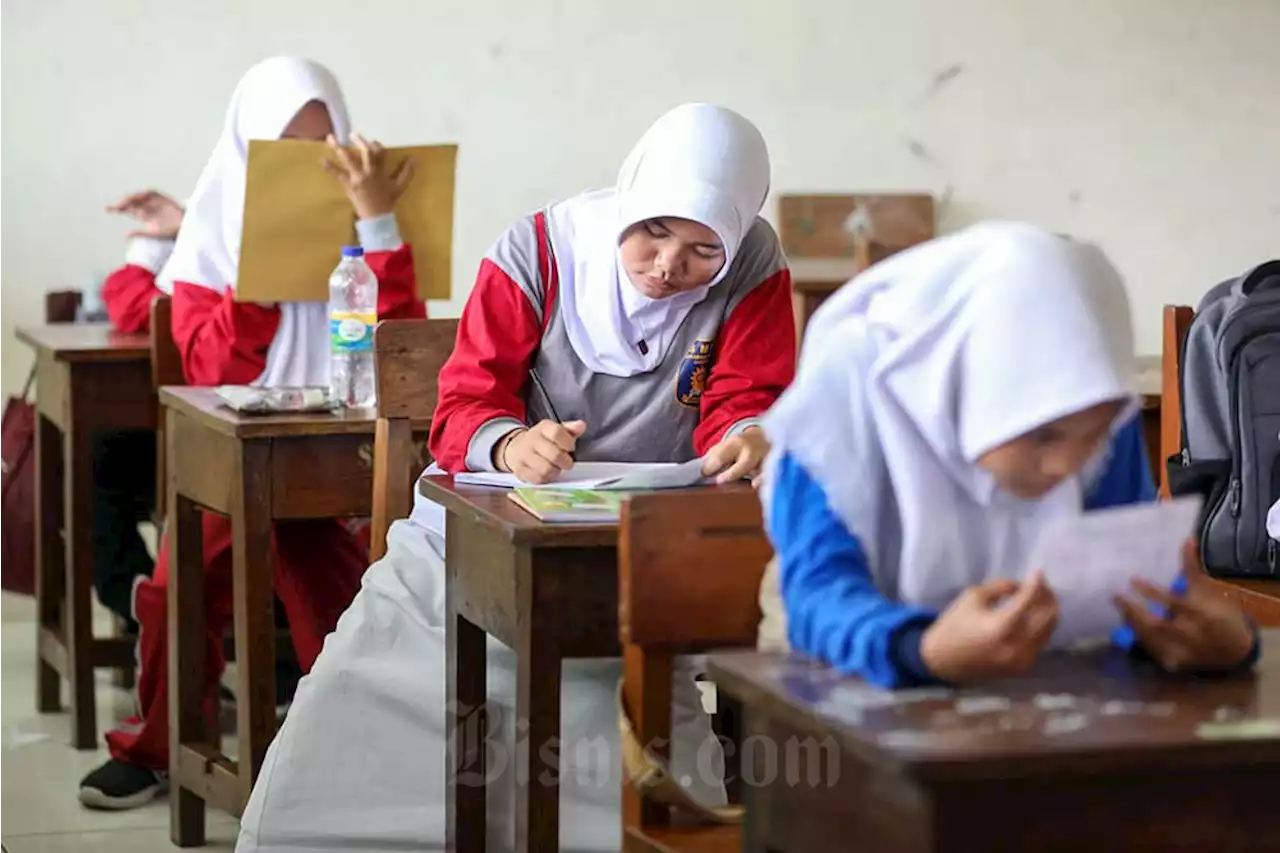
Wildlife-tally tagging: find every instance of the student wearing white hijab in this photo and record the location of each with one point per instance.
(950, 402)
(318, 563)
(649, 322)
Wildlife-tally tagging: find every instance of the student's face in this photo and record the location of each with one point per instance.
(664, 257)
(1031, 465)
(312, 123)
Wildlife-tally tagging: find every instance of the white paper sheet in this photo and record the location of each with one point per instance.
(610, 476)
(1088, 558)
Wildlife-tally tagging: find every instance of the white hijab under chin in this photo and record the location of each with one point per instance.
(930, 359)
(698, 162)
(207, 251)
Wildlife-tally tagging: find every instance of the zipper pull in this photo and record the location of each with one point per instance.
(1273, 556)
(1186, 457)
(1235, 498)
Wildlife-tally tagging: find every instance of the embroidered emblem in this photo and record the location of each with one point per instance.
(691, 377)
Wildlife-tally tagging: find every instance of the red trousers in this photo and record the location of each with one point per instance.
(318, 566)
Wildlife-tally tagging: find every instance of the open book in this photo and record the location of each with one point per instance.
(611, 476)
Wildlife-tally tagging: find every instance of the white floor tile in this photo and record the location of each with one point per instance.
(40, 772)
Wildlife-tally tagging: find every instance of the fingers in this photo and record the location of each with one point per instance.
(575, 428)
(341, 157)
(1032, 594)
(743, 464)
(992, 592)
(402, 176)
(365, 152)
(1169, 641)
(718, 458)
(131, 201)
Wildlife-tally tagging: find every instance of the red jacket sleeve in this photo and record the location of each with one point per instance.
(128, 293)
(397, 287)
(755, 360)
(485, 376)
(222, 342)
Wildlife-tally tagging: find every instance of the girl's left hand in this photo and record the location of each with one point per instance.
(1202, 629)
(372, 191)
(736, 457)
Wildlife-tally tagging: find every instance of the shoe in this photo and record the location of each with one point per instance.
(118, 785)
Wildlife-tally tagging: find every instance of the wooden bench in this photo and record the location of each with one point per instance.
(689, 571)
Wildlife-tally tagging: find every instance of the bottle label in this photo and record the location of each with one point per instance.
(351, 332)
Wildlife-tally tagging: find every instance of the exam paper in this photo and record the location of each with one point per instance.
(1088, 558)
(620, 476)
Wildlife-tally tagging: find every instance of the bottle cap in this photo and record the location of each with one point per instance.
(352, 252)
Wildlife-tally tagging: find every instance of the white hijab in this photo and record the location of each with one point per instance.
(922, 364)
(207, 251)
(698, 162)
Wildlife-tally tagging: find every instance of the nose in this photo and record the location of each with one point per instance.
(667, 261)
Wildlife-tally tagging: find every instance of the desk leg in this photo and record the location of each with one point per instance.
(537, 731)
(254, 593)
(78, 613)
(50, 554)
(467, 725)
(187, 724)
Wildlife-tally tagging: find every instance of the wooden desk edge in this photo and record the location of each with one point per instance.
(439, 489)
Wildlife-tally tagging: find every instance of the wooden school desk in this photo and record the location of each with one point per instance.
(88, 378)
(1088, 753)
(254, 469)
(547, 591)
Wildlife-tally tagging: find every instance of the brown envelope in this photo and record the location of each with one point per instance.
(297, 219)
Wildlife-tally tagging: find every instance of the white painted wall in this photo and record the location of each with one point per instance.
(1151, 126)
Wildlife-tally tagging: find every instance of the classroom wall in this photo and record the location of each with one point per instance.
(1150, 126)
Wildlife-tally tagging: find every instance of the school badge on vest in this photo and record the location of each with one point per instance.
(691, 377)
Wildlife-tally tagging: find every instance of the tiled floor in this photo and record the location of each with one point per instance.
(39, 812)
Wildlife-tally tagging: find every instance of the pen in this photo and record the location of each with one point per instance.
(546, 398)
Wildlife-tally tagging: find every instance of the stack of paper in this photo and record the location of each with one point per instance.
(1089, 558)
(602, 476)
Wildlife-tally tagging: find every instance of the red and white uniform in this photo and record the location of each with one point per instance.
(360, 762)
(318, 564)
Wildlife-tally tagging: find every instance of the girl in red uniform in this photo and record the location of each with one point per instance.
(318, 564)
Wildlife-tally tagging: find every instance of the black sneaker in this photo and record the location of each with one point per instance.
(119, 785)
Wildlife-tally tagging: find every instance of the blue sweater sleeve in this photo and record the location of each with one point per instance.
(834, 610)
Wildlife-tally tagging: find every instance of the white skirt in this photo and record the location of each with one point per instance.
(359, 763)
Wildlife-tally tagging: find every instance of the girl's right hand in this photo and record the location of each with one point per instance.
(993, 630)
(540, 453)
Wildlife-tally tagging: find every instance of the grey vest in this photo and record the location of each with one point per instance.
(645, 418)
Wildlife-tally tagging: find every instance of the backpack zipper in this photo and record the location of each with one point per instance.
(1273, 556)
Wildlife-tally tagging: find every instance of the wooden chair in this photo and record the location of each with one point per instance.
(60, 306)
(408, 355)
(166, 369)
(1259, 598)
(668, 607)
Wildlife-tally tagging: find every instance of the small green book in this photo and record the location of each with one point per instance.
(570, 506)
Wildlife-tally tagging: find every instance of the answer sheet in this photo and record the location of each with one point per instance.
(620, 476)
(1089, 558)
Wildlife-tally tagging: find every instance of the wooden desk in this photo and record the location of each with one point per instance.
(549, 592)
(88, 378)
(255, 469)
(1089, 752)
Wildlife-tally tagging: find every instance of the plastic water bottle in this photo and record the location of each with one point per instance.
(353, 312)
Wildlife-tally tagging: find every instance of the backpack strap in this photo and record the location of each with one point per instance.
(649, 774)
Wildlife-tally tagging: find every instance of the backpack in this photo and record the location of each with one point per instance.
(1229, 377)
(18, 532)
